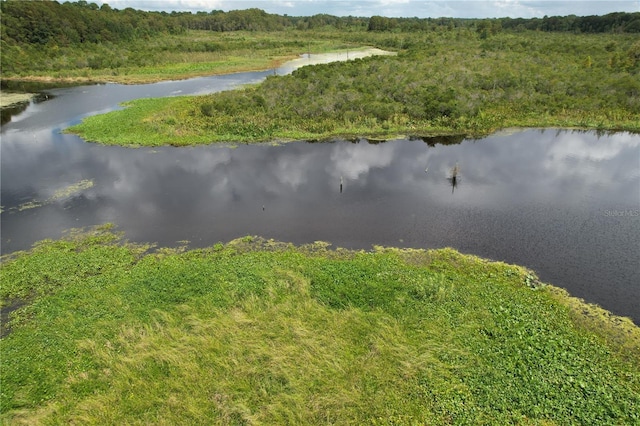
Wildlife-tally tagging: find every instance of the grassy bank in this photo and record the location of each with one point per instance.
(262, 332)
(173, 57)
(441, 83)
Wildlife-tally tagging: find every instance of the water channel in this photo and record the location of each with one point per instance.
(564, 203)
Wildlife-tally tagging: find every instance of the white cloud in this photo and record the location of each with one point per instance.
(354, 161)
(393, 2)
(166, 5)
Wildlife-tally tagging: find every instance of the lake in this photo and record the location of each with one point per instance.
(564, 203)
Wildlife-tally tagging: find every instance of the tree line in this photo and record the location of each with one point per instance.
(617, 22)
(48, 22)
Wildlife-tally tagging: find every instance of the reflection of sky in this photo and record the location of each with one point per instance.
(69, 105)
(535, 198)
(325, 58)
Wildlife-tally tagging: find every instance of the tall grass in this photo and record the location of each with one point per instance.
(258, 332)
(171, 57)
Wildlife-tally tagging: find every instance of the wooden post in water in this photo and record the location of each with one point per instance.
(454, 177)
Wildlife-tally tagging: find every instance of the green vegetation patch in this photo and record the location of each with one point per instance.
(59, 195)
(162, 57)
(256, 331)
(10, 99)
(454, 82)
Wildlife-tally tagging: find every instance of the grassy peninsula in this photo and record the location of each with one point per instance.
(449, 82)
(260, 332)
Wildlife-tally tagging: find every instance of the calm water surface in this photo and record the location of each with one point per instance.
(566, 204)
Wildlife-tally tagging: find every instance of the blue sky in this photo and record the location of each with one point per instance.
(394, 8)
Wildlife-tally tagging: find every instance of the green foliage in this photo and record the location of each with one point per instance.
(450, 83)
(466, 77)
(381, 23)
(48, 22)
(261, 332)
(46, 36)
(612, 22)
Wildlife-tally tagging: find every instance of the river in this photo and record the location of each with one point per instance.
(564, 203)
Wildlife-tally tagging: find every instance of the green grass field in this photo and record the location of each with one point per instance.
(259, 332)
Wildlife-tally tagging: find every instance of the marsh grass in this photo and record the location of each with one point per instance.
(441, 84)
(173, 57)
(259, 332)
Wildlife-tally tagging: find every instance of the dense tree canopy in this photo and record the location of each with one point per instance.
(50, 22)
(613, 22)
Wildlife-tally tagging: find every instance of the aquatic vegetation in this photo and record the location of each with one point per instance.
(71, 190)
(261, 331)
(29, 205)
(59, 195)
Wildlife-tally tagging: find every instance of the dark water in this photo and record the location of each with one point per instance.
(566, 204)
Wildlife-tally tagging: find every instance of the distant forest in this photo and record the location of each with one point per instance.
(51, 23)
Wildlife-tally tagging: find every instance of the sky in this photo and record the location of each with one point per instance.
(394, 8)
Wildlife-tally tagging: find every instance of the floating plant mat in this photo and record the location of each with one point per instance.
(58, 195)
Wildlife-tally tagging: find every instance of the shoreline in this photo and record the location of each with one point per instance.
(295, 62)
(134, 134)
(137, 78)
(588, 314)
